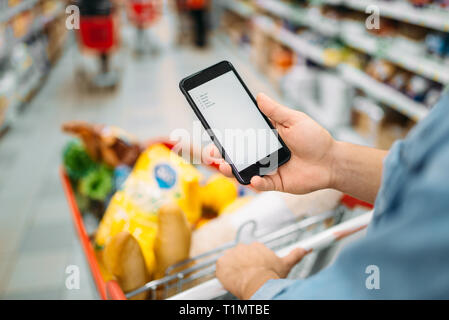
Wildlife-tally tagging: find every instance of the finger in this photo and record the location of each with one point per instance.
(214, 152)
(293, 258)
(275, 111)
(211, 154)
(263, 184)
(225, 169)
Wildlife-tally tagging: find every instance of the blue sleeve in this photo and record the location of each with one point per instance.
(272, 288)
(408, 239)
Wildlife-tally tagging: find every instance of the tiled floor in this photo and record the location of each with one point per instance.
(37, 239)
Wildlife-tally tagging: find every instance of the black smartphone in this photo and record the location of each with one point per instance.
(228, 111)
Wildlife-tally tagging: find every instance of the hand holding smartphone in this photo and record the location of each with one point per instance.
(227, 110)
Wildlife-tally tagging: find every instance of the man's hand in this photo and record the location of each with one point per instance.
(317, 162)
(245, 268)
(309, 168)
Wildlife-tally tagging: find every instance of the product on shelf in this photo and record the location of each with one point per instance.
(417, 88)
(421, 3)
(410, 39)
(366, 118)
(378, 125)
(8, 97)
(394, 127)
(433, 95)
(299, 85)
(355, 59)
(260, 49)
(21, 24)
(335, 98)
(400, 80)
(437, 44)
(381, 70)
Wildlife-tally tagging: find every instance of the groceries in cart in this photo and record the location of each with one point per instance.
(156, 213)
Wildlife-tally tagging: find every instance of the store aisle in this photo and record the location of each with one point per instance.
(37, 239)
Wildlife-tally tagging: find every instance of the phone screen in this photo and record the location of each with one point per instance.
(235, 120)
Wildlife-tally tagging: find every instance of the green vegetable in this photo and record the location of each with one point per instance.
(77, 162)
(97, 184)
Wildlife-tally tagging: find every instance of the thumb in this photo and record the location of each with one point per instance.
(275, 111)
(293, 258)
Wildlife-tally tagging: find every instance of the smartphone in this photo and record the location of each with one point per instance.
(228, 111)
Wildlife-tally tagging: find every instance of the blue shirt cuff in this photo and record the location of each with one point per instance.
(272, 288)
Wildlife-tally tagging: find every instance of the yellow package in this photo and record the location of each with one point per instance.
(218, 193)
(158, 177)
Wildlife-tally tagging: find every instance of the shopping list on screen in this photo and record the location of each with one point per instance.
(235, 120)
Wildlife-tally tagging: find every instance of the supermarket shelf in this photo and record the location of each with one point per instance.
(13, 11)
(284, 10)
(38, 26)
(348, 134)
(432, 17)
(290, 39)
(435, 18)
(25, 90)
(357, 78)
(301, 16)
(420, 65)
(383, 93)
(241, 8)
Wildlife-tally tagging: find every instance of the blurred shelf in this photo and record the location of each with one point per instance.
(430, 17)
(368, 44)
(315, 111)
(383, 93)
(435, 18)
(284, 10)
(348, 134)
(38, 25)
(32, 83)
(241, 8)
(420, 65)
(355, 77)
(424, 66)
(302, 16)
(293, 41)
(13, 11)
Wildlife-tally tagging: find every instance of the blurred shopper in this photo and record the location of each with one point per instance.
(143, 14)
(184, 23)
(199, 10)
(99, 36)
(407, 241)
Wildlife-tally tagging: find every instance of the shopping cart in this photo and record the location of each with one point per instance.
(98, 36)
(142, 14)
(194, 278)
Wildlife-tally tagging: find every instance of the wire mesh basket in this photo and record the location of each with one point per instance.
(199, 269)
